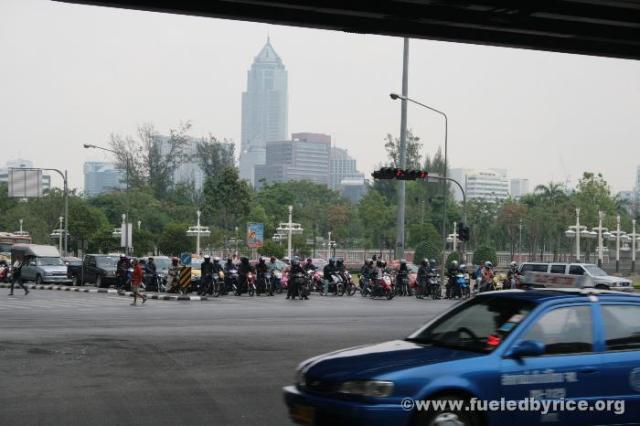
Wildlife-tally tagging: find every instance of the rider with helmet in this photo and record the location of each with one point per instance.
(365, 274)
(228, 267)
(402, 278)
(487, 277)
(513, 277)
(422, 278)
(244, 268)
(295, 287)
(328, 272)
(309, 266)
(261, 271)
(452, 271)
(122, 271)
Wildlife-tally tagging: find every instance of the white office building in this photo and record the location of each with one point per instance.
(487, 185)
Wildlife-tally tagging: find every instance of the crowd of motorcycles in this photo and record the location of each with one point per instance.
(299, 280)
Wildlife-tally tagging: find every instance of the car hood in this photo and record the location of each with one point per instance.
(54, 269)
(610, 280)
(369, 361)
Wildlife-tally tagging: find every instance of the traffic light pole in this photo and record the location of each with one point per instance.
(403, 152)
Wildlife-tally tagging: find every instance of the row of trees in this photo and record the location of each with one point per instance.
(164, 210)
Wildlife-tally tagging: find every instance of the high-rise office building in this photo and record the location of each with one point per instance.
(518, 188)
(264, 109)
(305, 157)
(101, 177)
(343, 166)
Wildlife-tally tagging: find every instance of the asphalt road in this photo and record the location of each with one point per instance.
(92, 359)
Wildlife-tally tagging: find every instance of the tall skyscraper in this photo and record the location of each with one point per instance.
(264, 109)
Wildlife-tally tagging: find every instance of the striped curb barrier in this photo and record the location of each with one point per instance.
(110, 291)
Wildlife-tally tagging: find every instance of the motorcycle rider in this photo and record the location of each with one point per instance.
(228, 267)
(487, 277)
(513, 277)
(422, 279)
(328, 271)
(151, 274)
(206, 274)
(402, 277)
(309, 266)
(452, 271)
(244, 268)
(294, 286)
(261, 271)
(365, 274)
(122, 270)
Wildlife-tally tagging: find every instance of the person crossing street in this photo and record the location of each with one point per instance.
(17, 276)
(136, 281)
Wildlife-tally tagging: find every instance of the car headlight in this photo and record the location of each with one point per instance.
(373, 388)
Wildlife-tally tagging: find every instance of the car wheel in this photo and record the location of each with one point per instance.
(99, 281)
(448, 416)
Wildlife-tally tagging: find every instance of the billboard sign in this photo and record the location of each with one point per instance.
(255, 235)
(25, 183)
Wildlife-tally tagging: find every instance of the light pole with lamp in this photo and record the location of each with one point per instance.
(575, 231)
(198, 231)
(634, 239)
(58, 233)
(21, 232)
(289, 228)
(127, 237)
(601, 233)
(617, 234)
(395, 96)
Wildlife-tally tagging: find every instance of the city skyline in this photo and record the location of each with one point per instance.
(529, 111)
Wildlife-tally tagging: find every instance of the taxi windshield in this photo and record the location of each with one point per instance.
(479, 325)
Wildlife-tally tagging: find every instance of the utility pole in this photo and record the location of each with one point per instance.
(399, 252)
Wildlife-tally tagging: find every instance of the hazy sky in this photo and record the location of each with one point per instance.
(72, 74)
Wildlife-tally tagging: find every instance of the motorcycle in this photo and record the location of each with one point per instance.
(217, 284)
(349, 287)
(265, 284)
(402, 286)
(284, 283)
(335, 285)
(365, 287)
(434, 286)
(232, 283)
(5, 273)
(156, 282)
(249, 287)
(462, 287)
(301, 285)
(383, 287)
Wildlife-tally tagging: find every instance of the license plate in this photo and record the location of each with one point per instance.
(302, 414)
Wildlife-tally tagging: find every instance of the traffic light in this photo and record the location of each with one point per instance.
(399, 174)
(460, 230)
(385, 173)
(463, 232)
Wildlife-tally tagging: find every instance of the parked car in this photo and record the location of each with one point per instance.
(559, 275)
(74, 269)
(41, 264)
(99, 269)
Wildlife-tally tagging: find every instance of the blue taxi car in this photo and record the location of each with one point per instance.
(542, 345)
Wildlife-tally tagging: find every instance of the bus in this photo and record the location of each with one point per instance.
(8, 239)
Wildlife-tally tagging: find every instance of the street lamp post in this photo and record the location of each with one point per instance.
(290, 228)
(574, 232)
(444, 180)
(520, 241)
(617, 234)
(600, 230)
(198, 231)
(126, 227)
(236, 251)
(634, 237)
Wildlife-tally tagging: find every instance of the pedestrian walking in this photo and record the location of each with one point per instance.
(17, 275)
(136, 281)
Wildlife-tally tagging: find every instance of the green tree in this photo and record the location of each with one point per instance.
(214, 156)
(375, 212)
(227, 199)
(272, 248)
(429, 249)
(174, 240)
(484, 253)
(414, 149)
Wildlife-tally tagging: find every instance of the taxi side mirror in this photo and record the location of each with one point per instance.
(527, 348)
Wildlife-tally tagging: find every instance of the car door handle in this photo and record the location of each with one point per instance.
(589, 370)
